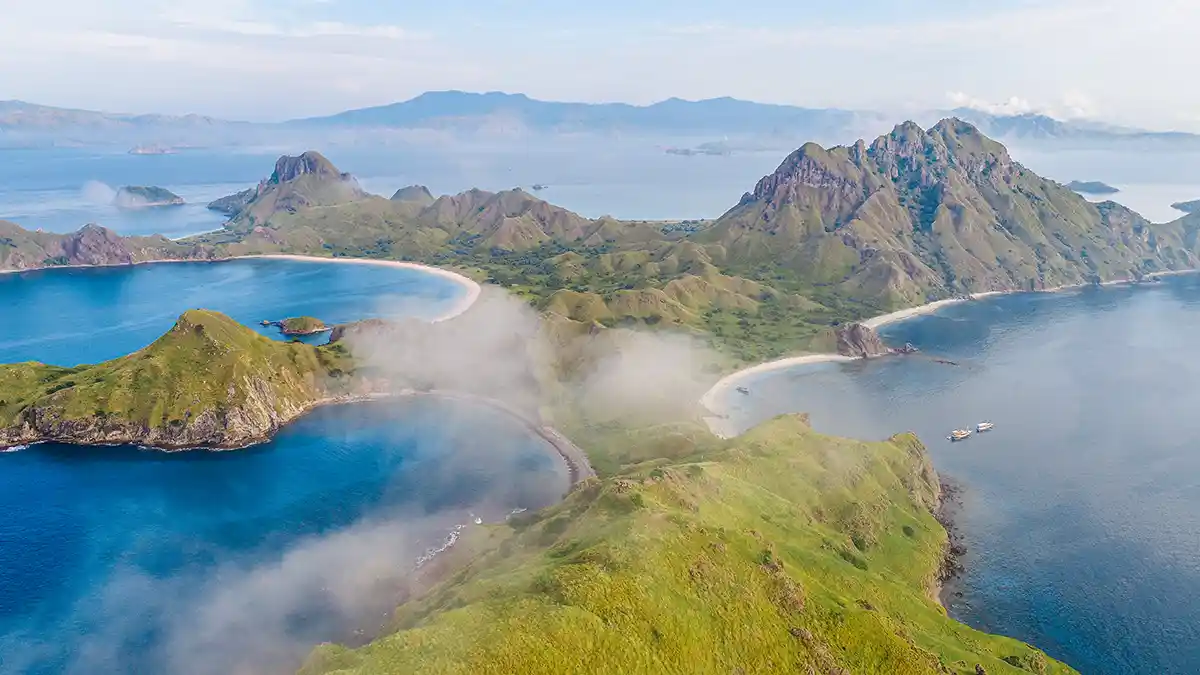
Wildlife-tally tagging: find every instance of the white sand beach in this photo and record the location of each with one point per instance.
(713, 399)
(471, 287)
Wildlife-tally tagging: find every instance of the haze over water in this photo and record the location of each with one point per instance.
(1082, 507)
(128, 560)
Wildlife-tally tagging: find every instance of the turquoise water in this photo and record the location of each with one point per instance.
(1082, 507)
(120, 560)
(73, 316)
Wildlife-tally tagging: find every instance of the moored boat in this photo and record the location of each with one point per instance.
(984, 426)
(959, 434)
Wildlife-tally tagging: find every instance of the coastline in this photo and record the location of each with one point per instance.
(471, 288)
(712, 400)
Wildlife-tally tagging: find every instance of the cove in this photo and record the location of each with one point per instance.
(1082, 507)
(118, 559)
(84, 315)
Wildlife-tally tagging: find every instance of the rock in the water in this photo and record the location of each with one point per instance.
(142, 196)
(858, 340)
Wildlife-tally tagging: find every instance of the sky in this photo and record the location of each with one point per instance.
(1121, 61)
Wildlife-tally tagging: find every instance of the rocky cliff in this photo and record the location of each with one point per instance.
(208, 382)
(22, 249)
(297, 183)
(861, 341)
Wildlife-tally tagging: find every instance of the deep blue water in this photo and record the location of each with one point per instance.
(134, 561)
(1082, 507)
(72, 316)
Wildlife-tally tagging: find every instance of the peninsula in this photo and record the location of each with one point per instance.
(1092, 187)
(1192, 206)
(208, 382)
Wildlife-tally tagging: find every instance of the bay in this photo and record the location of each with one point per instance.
(119, 559)
(1082, 506)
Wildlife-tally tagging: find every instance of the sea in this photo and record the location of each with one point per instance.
(1081, 513)
(128, 560)
(1081, 508)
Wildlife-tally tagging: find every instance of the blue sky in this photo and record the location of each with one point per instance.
(1116, 60)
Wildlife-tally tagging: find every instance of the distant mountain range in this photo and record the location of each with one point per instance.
(506, 114)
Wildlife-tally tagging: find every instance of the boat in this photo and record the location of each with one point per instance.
(959, 434)
(743, 390)
(984, 426)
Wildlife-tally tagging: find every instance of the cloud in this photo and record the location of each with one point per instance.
(1071, 105)
(1070, 57)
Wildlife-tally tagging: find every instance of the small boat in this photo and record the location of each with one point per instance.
(959, 434)
(478, 520)
(743, 390)
(984, 426)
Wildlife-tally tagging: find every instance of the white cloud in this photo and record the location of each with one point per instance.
(1127, 62)
(1072, 105)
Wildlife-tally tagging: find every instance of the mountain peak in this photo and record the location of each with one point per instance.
(414, 193)
(289, 168)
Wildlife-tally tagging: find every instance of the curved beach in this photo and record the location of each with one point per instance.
(471, 287)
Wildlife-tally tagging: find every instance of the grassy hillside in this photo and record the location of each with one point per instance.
(207, 381)
(780, 551)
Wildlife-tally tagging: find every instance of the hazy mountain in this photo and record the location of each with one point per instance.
(463, 110)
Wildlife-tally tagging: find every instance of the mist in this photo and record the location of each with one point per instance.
(97, 193)
(262, 609)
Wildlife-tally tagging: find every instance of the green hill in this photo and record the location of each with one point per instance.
(782, 551)
(922, 214)
(209, 381)
(22, 249)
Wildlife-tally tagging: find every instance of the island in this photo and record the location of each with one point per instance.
(303, 325)
(829, 549)
(1187, 207)
(152, 149)
(1092, 187)
(142, 196)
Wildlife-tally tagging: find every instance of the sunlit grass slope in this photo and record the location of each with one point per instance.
(782, 551)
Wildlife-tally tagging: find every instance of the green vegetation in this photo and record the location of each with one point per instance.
(780, 551)
(138, 196)
(209, 380)
(302, 325)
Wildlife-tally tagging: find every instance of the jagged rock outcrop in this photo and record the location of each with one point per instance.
(297, 183)
(858, 340)
(22, 249)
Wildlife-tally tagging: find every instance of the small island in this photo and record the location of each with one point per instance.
(302, 325)
(142, 196)
(152, 149)
(1187, 207)
(1092, 187)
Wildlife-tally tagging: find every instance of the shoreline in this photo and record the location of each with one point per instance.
(470, 286)
(712, 400)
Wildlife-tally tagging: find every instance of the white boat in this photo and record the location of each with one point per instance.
(959, 434)
(984, 426)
